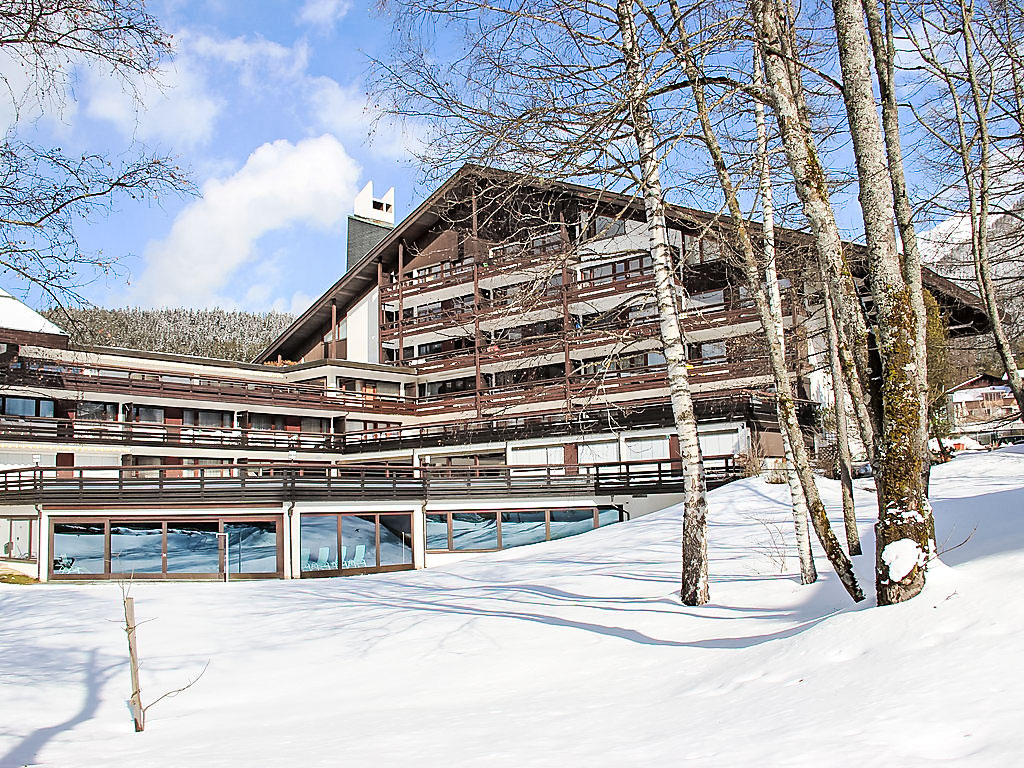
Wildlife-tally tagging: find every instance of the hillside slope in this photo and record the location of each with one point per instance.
(568, 653)
(229, 335)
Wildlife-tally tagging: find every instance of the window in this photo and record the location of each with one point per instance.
(19, 538)
(315, 425)
(89, 410)
(136, 547)
(266, 421)
(606, 226)
(485, 530)
(26, 406)
(197, 418)
(332, 544)
(148, 414)
(78, 548)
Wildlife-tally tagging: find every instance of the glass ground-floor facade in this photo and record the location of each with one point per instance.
(336, 544)
(296, 542)
(200, 547)
(494, 529)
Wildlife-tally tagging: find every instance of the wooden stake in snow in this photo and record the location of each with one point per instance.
(138, 713)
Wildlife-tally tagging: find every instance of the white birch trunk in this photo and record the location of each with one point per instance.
(808, 573)
(845, 459)
(694, 589)
(904, 513)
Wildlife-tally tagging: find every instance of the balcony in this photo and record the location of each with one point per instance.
(135, 383)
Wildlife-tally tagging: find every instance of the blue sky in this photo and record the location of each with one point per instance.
(265, 102)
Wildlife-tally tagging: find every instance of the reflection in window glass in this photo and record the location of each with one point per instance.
(608, 515)
(569, 522)
(192, 548)
(395, 540)
(78, 548)
(252, 547)
(19, 406)
(136, 547)
(474, 530)
(358, 541)
(519, 528)
(437, 531)
(318, 548)
(5, 537)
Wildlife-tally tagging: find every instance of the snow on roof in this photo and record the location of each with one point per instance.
(17, 316)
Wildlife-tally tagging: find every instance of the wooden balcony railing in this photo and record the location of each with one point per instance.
(276, 483)
(181, 386)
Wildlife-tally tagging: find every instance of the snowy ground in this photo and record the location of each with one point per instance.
(569, 653)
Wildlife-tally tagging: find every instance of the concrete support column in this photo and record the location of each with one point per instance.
(294, 522)
(419, 537)
(286, 540)
(43, 545)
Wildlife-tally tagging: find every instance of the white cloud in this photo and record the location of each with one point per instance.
(181, 104)
(311, 183)
(323, 13)
(176, 107)
(261, 61)
(347, 111)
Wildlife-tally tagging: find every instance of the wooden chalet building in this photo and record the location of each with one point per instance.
(485, 374)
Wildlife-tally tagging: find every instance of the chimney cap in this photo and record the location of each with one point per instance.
(377, 209)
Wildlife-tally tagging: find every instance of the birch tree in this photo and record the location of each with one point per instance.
(903, 531)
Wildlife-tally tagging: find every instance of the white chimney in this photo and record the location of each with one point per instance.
(376, 209)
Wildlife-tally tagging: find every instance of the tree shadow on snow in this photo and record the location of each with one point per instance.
(94, 677)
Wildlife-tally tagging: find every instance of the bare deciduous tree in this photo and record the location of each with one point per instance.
(46, 192)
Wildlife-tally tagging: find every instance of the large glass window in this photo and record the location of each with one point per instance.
(318, 548)
(78, 548)
(193, 547)
(569, 522)
(523, 527)
(19, 538)
(395, 540)
(608, 515)
(358, 541)
(518, 527)
(437, 531)
(19, 406)
(136, 547)
(474, 530)
(251, 547)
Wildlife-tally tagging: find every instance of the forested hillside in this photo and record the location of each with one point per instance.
(203, 332)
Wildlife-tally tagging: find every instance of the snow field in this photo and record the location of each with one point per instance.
(572, 652)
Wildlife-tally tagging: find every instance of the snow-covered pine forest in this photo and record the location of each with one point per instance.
(219, 333)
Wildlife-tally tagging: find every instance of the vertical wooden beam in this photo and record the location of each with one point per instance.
(380, 311)
(566, 325)
(476, 231)
(401, 303)
(334, 329)
(476, 328)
